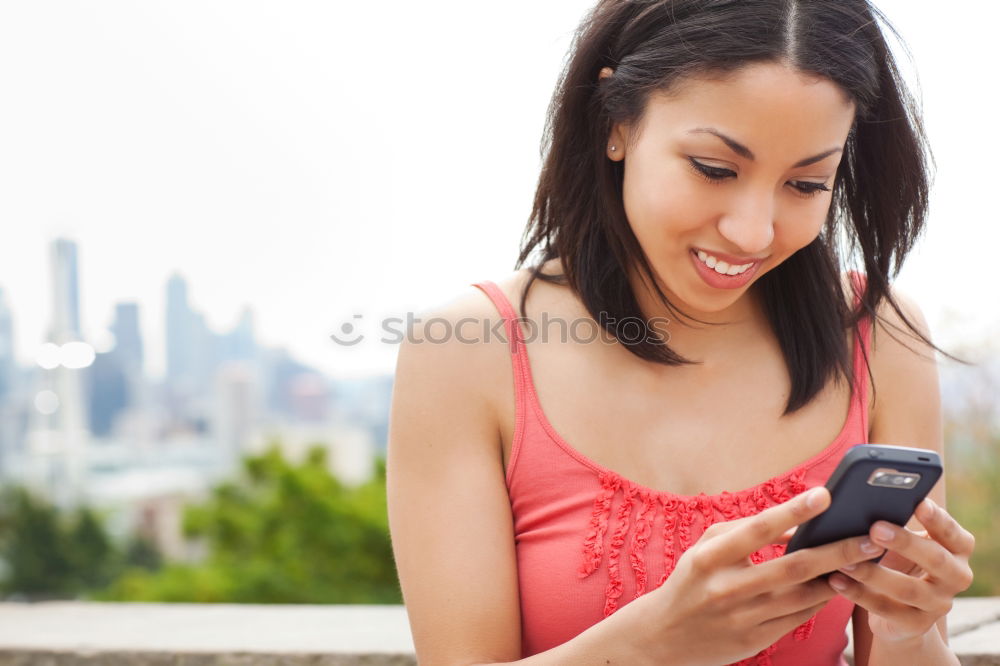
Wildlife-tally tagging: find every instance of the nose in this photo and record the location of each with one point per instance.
(749, 223)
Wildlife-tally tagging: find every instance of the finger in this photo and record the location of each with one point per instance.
(908, 590)
(940, 564)
(809, 563)
(944, 529)
(754, 532)
(780, 626)
(784, 600)
(901, 614)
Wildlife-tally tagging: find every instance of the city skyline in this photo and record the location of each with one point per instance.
(82, 425)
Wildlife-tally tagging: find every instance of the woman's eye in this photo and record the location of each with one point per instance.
(809, 189)
(718, 174)
(713, 174)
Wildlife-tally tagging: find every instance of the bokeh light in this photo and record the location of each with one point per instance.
(76, 355)
(46, 402)
(49, 356)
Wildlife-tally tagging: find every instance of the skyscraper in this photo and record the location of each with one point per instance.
(57, 442)
(128, 338)
(117, 379)
(187, 358)
(66, 292)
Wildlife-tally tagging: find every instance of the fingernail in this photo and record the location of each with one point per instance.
(849, 567)
(931, 507)
(838, 583)
(813, 498)
(868, 547)
(883, 533)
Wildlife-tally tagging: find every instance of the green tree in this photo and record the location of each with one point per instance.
(973, 494)
(281, 533)
(972, 441)
(141, 553)
(34, 548)
(94, 557)
(51, 555)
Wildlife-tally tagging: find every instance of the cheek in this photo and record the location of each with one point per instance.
(663, 204)
(798, 228)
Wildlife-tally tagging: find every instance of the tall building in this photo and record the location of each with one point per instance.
(180, 336)
(110, 393)
(65, 327)
(128, 339)
(239, 344)
(116, 378)
(128, 352)
(66, 292)
(193, 352)
(57, 441)
(237, 409)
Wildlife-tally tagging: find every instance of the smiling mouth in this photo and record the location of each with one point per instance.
(714, 278)
(721, 267)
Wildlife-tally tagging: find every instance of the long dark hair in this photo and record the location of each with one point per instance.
(880, 193)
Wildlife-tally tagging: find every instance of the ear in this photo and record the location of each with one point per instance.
(616, 139)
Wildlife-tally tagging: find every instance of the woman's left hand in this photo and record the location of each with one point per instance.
(915, 584)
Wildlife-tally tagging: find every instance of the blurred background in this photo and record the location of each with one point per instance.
(197, 195)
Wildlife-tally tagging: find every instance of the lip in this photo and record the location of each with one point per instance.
(719, 281)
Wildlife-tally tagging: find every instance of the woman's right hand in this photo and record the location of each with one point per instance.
(717, 607)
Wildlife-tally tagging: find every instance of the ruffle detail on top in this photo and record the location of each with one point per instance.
(634, 521)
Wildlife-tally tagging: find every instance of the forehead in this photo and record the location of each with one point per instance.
(769, 107)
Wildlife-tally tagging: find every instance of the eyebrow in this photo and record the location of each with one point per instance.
(743, 151)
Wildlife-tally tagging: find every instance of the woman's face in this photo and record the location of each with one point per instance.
(737, 170)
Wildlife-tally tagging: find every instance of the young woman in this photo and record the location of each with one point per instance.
(619, 488)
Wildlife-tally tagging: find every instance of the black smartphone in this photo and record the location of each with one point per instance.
(872, 482)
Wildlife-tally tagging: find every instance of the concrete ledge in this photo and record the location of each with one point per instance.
(44, 658)
(157, 634)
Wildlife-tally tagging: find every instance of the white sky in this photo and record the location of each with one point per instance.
(321, 159)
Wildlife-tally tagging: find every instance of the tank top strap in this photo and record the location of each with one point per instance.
(523, 385)
(862, 347)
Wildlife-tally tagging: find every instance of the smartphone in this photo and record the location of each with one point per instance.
(872, 482)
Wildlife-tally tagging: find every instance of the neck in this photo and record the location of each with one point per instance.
(724, 332)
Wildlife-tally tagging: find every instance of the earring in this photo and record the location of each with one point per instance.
(612, 149)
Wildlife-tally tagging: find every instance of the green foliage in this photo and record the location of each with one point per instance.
(34, 547)
(972, 466)
(973, 497)
(282, 533)
(50, 556)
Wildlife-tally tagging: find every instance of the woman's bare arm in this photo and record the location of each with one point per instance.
(449, 512)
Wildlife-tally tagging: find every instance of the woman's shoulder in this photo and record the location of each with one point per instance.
(461, 339)
(903, 367)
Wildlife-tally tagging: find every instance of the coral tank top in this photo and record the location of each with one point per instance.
(589, 541)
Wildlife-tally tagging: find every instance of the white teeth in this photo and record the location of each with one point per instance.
(721, 266)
